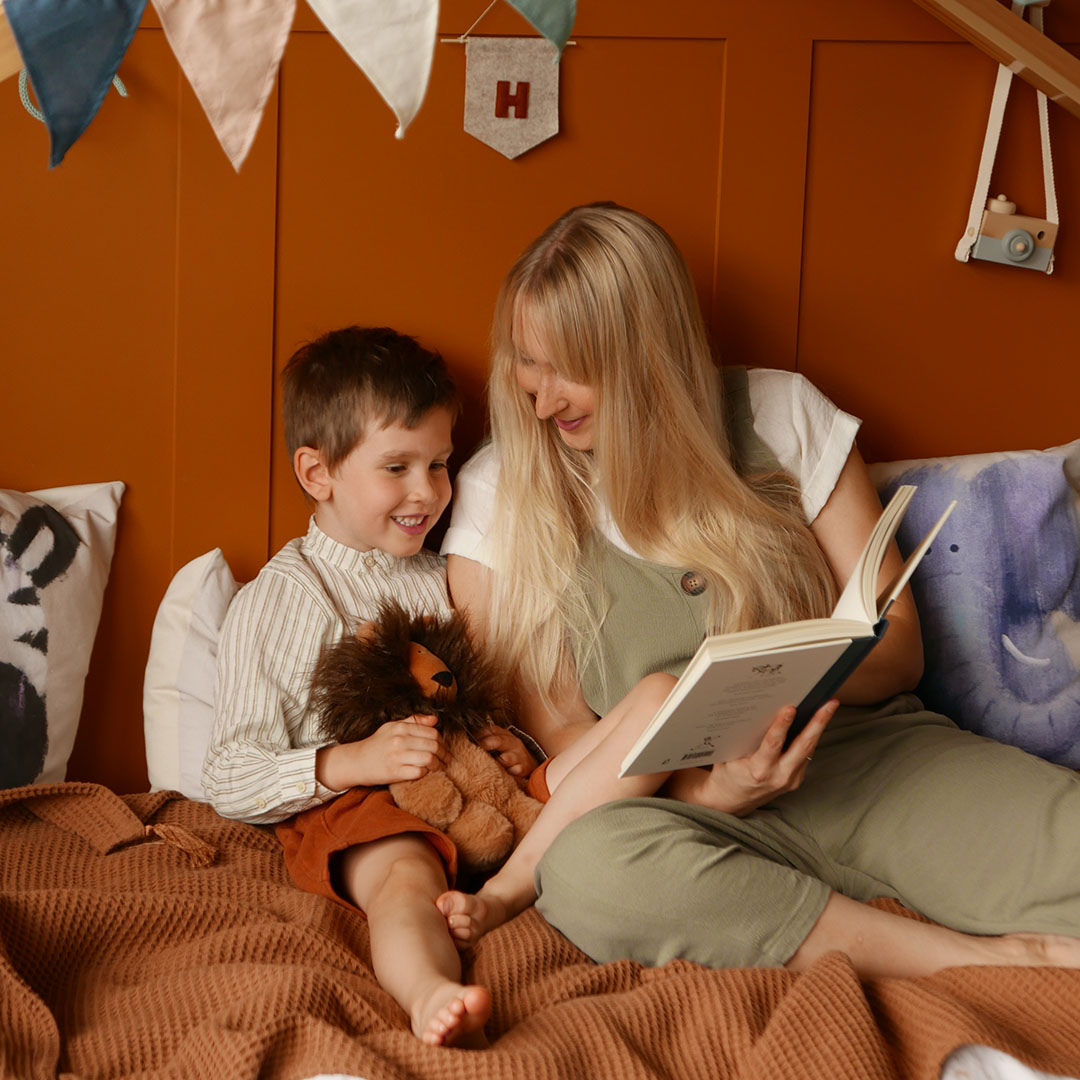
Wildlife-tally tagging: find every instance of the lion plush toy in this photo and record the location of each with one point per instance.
(398, 666)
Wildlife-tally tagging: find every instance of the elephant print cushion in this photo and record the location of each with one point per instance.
(999, 592)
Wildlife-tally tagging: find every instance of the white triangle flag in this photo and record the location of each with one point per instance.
(230, 51)
(391, 41)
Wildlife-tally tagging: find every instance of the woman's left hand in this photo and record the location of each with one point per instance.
(508, 750)
(743, 784)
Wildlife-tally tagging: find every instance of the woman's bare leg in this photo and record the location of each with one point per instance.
(581, 777)
(879, 943)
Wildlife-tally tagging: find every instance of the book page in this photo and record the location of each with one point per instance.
(726, 712)
(859, 598)
(896, 586)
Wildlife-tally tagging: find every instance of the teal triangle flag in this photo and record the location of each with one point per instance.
(71, 50)
(553, 18)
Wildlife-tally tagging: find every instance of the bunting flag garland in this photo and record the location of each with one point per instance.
(511, 92)
(71, 50)
(230, 51)
(391, 41)
(553, 18)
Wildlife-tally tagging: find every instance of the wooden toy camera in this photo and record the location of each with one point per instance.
(1008, 237)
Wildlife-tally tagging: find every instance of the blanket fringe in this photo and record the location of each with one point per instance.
(199, 851)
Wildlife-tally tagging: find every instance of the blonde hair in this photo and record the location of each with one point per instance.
(610, 297)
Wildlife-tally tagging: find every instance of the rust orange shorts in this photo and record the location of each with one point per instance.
(313, 839)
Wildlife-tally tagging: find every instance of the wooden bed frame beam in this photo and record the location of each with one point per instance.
(1012, 41)
(10, 60)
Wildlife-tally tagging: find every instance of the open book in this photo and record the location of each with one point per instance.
(735, 683)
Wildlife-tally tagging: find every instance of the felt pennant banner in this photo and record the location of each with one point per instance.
(71, 50)
(230, 51)
(391, 41)
(553, 18)
(511, 92)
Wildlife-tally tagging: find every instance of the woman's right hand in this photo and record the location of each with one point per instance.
(743, 784)
(399, 750)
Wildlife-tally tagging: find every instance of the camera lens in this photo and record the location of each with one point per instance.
(1018, 244)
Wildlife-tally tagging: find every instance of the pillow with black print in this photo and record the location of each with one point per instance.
(56, 548)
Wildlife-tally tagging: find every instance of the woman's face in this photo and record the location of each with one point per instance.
(570, 406)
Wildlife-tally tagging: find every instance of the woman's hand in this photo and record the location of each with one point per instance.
(400, 750)
(508, 750)
(743, 784)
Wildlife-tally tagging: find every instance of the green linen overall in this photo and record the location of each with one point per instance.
(897, 802)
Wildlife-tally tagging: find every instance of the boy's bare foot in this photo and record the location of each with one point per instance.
(469, 916)
(454, 1015)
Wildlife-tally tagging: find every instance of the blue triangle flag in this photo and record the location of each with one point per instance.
(553, 18)
(71, 50)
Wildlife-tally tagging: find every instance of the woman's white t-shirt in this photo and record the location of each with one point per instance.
(808, 435)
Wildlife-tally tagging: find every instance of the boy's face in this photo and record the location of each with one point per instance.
(392, 487)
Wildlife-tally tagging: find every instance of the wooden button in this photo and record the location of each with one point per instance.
(693, 583)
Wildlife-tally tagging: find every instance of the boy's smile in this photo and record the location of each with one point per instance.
(392, 487)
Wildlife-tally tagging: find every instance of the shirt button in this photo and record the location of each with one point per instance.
(693, 583)
(260, 803)
(369, 561)
(300, 785)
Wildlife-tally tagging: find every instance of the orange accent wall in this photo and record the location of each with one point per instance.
(813, 159)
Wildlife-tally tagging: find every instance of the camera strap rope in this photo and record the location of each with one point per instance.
(990, 145)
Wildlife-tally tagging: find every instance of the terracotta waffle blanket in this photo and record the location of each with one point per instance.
(147, 937)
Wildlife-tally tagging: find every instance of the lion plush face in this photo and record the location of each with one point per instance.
(399, 665)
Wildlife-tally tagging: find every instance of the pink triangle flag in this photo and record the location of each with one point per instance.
(391, 41)
(230, 51)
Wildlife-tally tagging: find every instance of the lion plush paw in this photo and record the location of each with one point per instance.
(434, 798)
(484, 836)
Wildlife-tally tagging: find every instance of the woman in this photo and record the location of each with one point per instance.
(623, 467)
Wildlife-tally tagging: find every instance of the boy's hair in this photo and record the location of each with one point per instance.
(338, 385)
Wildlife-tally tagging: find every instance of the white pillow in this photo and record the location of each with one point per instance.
(56, 548)
(178, 691)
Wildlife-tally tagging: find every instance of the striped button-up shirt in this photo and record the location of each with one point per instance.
(261, 763)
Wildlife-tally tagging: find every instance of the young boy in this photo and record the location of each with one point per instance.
(368, 416)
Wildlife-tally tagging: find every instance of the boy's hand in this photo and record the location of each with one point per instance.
(508, 750)
(400, 750)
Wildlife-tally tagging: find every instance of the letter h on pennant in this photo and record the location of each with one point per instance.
(505, 101)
